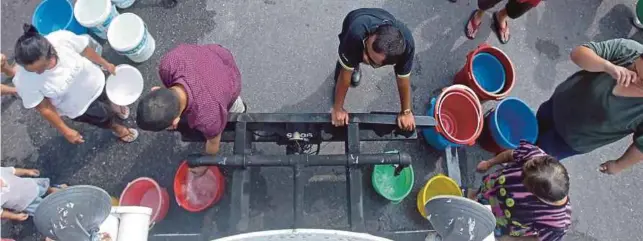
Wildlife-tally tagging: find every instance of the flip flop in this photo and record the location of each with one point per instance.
(470, 25)
(129, 138)
(499, 31)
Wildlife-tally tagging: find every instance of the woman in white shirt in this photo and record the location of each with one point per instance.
(56, 77)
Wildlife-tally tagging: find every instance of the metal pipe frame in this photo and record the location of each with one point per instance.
(241, 129)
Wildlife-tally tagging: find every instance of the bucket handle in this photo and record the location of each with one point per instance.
(152, 225)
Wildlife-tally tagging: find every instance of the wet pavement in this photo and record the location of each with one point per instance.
(286, 51)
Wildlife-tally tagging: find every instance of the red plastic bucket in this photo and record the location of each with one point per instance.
(465, 75)
(208, 189)
(146, 192)
(458, 113)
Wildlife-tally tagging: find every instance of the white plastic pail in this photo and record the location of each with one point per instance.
(134, 222)
(123, 3)
(126, 86)
(95, 15)
(128, 35)
(110, 226)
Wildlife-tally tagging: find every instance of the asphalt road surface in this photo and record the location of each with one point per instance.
(286, 50)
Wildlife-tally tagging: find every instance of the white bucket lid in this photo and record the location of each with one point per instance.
(126, 86)
(91, 13)
(132, 209)
(125, 32)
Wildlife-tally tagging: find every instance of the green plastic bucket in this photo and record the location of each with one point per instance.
(391, 187)
(639, 10)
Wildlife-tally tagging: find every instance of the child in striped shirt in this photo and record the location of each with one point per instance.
(528, 195)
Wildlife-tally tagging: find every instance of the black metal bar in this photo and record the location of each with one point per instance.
(298, 195)
(323, 118)
(354, 180)
(303, 160)
(240, 201)
(240, 188)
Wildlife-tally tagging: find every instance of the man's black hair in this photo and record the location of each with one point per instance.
(157, 110)
(390, 42)
(32, 46)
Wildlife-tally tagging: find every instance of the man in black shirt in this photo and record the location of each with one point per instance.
(374, 37)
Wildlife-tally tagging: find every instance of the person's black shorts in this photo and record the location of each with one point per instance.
(99, 113)
(515, 8)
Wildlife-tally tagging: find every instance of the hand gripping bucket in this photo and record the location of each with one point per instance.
(466, 76)
(146, 192)
(128, 35)
(95, 15)
(458, 114)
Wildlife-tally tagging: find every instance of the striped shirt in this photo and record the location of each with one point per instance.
(518, 212)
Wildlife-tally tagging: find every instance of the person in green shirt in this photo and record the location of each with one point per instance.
(598, 105)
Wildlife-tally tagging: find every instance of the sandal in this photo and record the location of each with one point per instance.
(121, 111)
(131, 137)
(470, 30)
(501, 32)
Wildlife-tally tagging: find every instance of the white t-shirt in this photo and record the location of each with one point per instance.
(71, 86)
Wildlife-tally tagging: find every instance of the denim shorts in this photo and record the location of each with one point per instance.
(43, 186)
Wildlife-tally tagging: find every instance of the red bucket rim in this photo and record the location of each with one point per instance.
(503, 58)
(159, 191)
(467, 92)
(179, 195)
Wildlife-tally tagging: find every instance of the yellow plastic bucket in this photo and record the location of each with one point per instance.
(437, 185)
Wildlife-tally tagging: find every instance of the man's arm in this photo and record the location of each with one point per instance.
(212, 145)
(404, 89)
(588, 60)
(341, 88)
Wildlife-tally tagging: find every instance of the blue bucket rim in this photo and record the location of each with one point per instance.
(33, 18)
(495, 118)
(504, 74)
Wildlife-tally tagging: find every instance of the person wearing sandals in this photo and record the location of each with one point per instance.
(21, 191)
(513, 9)
(202, 85)
(374, 37)
(58, 76)
(598, 105)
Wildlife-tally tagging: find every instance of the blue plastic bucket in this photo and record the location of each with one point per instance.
(432, 136)
(511, 122)
(488, 72)
(53, 15)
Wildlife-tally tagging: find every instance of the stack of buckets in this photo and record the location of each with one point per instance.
(488, 74)
(126, 33)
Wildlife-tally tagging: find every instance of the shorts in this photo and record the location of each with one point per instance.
(192, 135)
(43, 186)
(548, 138)
(99, 113)
(515, 8)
